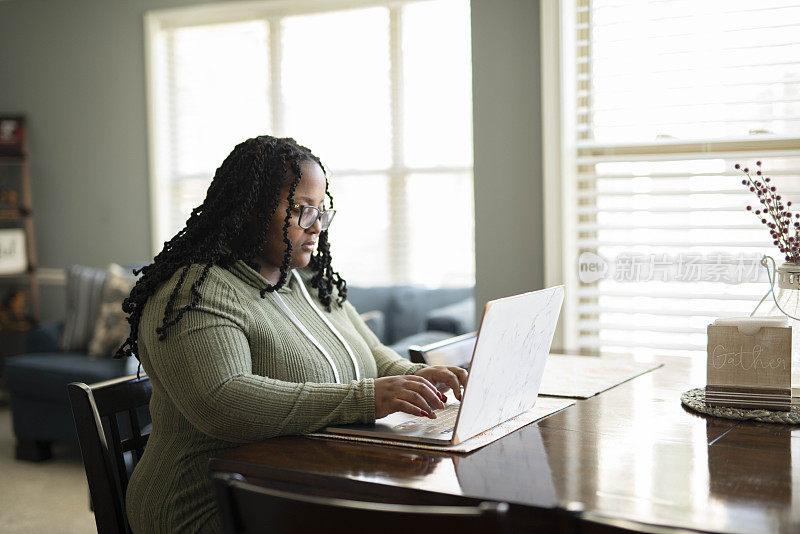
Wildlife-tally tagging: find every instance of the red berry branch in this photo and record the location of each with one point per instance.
(774, 214)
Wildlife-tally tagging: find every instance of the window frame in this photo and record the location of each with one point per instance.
(562, 150)
(157, 22)
(558, 147)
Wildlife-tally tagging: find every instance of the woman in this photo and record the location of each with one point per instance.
(246, 334)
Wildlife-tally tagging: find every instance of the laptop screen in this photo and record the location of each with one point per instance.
(509, 360)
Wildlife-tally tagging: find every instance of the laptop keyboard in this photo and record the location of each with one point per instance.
(445, 421)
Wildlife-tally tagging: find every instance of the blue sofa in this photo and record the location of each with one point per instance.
(401, 316)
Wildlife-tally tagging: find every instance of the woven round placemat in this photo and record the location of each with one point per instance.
(696, 400)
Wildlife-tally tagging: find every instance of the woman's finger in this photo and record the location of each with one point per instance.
(418, 378)
(417, 400)
(426, 382)
(431, 396)
(400, 405)
(449, 378)
(461, 373)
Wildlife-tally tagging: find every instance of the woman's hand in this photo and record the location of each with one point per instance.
(406, 393)
(446, 377)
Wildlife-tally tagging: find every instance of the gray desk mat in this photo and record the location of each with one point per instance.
(581, 377)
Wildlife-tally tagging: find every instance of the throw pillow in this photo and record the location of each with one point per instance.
(458, 318)
(111, 327)
(84, 290)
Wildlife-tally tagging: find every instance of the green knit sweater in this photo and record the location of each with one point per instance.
(235, 370)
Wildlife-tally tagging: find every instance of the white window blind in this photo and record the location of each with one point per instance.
(381, 92)
(669, 95)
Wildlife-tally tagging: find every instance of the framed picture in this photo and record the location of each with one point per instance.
(13, 255)
(12, 136)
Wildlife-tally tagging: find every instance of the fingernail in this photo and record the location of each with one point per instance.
(424, 413)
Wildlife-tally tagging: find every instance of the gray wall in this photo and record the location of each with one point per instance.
(76, 69)
(509, 241)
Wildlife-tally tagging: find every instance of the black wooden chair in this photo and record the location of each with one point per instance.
(452, 351)
(108, 417)
(246, 508)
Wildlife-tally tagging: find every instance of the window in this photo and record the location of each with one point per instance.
(381, 92)
(662, 98)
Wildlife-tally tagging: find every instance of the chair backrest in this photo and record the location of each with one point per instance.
(109, 431)
(451, 351)
(246, 508)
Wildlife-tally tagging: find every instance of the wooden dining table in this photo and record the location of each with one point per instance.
(630, 457)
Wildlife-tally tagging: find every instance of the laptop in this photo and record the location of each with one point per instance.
(506, 371)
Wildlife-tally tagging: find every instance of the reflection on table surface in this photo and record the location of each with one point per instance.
(486, 471)
(632, 452)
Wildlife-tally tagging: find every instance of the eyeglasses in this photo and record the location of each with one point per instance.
(310, 214)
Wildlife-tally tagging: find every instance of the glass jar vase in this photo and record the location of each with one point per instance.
(783, 298)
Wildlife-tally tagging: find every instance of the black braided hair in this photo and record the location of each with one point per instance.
(218, 232)
(324, 276)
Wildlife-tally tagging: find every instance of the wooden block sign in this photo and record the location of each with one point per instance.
(749, 371)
